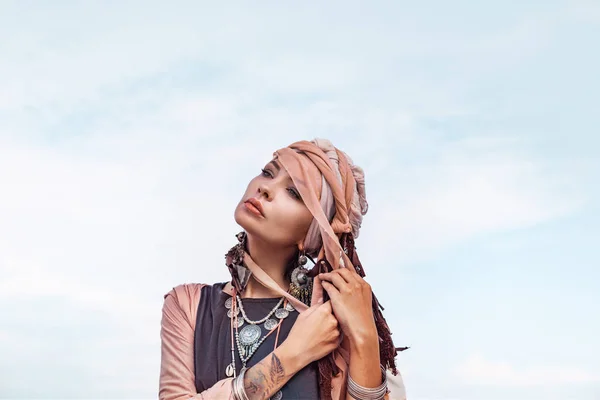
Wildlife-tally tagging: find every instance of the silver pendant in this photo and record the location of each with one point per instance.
(228, 303)
(300, 277)
(290, 307)
(240, 322)
(282, 313)
(270, 324)
(229, 370)
(230, 312)
(250, 335)
(248, 351)
(277, 396)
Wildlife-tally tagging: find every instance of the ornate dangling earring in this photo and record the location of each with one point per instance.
(234, 259)
(301, 284)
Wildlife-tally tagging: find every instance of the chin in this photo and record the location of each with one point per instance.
(249, 223)
(243, 219)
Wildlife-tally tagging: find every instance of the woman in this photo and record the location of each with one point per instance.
(283, 328)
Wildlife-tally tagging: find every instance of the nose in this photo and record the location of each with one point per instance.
(264, 190)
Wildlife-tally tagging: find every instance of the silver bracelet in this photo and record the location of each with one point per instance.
(362, 393)
(238, 390)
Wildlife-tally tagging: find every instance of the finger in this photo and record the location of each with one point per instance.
(348, 273)
(326, 306)
(338, 281)
(310, 310)
(317, 293)
(333, 293)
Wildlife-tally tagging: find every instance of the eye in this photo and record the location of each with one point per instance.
(294, 193)
(266, 173)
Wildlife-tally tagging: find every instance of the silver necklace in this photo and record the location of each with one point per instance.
(249, 339)
(269, 323)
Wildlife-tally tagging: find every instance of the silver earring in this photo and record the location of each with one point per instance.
(301, 283)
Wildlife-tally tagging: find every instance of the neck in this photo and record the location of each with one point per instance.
(273, 261)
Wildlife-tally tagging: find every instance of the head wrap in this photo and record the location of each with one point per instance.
(356, 209)
(339, 192)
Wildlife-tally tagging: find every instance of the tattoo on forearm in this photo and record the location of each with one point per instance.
(277, 371)
(256, 382)
(276, 374)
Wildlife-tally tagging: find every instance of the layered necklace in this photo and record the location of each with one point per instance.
(249, 338)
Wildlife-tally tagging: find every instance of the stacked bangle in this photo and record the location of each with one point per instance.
(239, 392)
(362, 393)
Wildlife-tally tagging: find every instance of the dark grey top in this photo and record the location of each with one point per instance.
(212, 343)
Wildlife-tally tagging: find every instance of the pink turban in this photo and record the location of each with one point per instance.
(343, 191)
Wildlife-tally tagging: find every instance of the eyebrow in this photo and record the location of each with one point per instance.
(278, 168)
(276, 165)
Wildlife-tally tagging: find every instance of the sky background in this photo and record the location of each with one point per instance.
(129, 131)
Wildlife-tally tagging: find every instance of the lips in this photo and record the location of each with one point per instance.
(255, 206)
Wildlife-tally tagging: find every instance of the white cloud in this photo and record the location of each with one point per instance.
(98, 51)
(479, 371)
(465, 189)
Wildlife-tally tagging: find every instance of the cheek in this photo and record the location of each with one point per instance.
(295, 217)
(306, 218)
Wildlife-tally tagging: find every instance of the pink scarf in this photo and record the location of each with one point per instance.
(295, 159)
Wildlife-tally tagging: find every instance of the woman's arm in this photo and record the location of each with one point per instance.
(351, 298)
(314, 335)
(268, 376)
(177, 381)
(364, 362)
(177, 348)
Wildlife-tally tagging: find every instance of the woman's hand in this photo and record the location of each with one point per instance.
(315, 334)
(351, 300)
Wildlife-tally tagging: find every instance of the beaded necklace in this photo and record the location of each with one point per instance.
(249, 339)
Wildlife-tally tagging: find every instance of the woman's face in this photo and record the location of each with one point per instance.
(272, 208)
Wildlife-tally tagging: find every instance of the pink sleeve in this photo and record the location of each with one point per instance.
(177, 380)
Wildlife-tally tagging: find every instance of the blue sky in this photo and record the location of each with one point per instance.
(128, 132)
